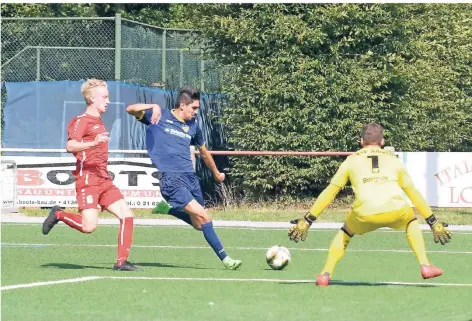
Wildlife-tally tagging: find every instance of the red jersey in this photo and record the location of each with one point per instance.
(85, 128)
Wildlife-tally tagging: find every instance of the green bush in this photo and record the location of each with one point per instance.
(306, 77)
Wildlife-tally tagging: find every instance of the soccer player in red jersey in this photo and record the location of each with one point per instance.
(88, 141)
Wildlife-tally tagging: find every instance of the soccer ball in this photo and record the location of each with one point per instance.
(278, 257)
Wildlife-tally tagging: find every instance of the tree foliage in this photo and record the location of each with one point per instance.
(306, 77)
(156, 14)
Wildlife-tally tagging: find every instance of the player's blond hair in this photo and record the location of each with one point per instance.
(372, 134)
(86, 88)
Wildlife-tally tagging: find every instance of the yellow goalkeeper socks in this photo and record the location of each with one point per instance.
(416, 240)
(336, 251)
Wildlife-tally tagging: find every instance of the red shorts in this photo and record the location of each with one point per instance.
(93, 190)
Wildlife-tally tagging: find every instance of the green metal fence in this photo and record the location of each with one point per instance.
(112, 48)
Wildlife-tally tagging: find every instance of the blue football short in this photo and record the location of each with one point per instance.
(178, 189)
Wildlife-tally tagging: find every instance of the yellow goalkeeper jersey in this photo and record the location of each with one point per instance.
(377, 177)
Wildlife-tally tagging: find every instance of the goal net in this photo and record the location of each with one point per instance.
(8, 191)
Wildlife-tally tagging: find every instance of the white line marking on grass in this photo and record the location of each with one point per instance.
(217, 223)
(334, 282)
(149, 278)
(157, 278)
(197, 247)
(458, 230)
(35, 284)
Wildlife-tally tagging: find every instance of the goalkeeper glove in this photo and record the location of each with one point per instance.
(440, 232)
(300, 229)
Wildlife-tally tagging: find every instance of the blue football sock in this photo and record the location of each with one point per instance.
(181, 215)
(213, 240)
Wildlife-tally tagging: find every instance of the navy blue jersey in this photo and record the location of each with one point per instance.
(168, 142)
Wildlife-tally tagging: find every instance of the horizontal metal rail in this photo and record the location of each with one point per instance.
(213, 152)
(57, 18)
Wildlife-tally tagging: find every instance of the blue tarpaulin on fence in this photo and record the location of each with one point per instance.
(36, 114)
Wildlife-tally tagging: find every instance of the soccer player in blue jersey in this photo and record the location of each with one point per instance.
(169, 134)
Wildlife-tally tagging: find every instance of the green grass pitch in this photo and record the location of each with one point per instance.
(378, 279)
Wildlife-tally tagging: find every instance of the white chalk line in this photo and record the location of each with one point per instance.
(35, 284)
(316, 229)
(197, 247)
(255, 225)
(334, 282)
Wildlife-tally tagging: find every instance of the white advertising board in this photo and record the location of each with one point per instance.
(444, 179)
(46, 181)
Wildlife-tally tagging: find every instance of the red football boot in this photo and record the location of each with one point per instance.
(430, 271)
(322, 279)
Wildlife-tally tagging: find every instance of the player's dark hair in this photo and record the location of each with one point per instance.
(187, 95)
(372, 134)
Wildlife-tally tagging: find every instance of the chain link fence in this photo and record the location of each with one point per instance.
(112, 48)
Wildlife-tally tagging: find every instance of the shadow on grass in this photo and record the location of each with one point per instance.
(69, 266)
(359, 283)
(164, 265)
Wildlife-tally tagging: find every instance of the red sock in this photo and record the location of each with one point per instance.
(71, 219)
(125, 238)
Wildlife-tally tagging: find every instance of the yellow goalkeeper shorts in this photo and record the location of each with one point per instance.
(397, 220)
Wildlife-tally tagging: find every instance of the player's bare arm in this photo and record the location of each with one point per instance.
(210, 163)
(137, 110)
(74, 146)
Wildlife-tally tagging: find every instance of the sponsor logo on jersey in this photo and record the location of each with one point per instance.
(177, 133)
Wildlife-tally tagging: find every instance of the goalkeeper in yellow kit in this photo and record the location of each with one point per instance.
(378, 180)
